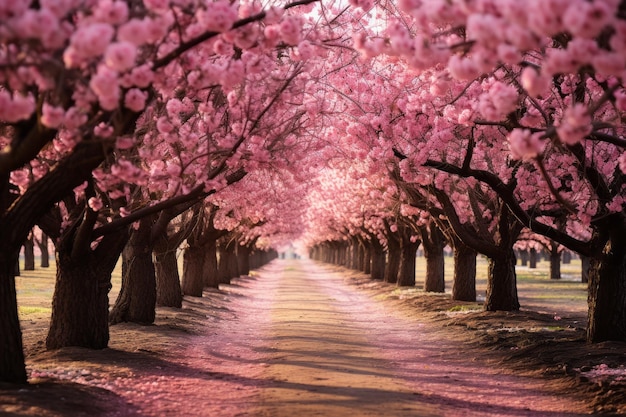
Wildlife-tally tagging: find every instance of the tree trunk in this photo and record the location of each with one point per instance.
(433, 242)
(584, 270)
(567, 257)
(137, 298)
(607, 291)
(464, 281)
(406, 271)
(532, 259)
(502, 283)
(12, 367)
(43, 248)
(29, 253)
(243, 259)
(393, 261)
(524, 257)
(367, 257)
(555, 262)
(378, 260)
(80, 305)
(193, 269)
(227, 266)
(169, 293)
(210, 274)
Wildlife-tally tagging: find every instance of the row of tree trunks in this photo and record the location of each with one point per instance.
(395, 262)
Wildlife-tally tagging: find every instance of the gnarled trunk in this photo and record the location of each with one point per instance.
(555, 261)
(210, 274)
(43, 248)
(366, 266)
(169, 293)
(584, 268)
(393, 261)
(12, 367)
(193, 270)
(502, 283)
(29, 253)
(227, 266)
(607, 290)
(378, 259)
(80, 305)
(524, 257)
(136, 301)
(433, 242)
(532, 258)
(464, 281)
(243, 259)
(406, 271)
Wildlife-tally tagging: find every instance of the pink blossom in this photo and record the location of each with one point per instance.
(20, 178)
(536, 85)
(587, 19)
(524, 144)
(103, 130)
(499, 101)
(485, 29)
(16, 108)
(219, 16)
(38, 24)
(113, 12)
(74, 118)
(156, 4)
(521, 37)
(125, 142)
(105, 84)
(10, 9)
(575, 125)
(134, 31)
(141, 76)
(546, 16)
(92, 40)
(509, 54)
(618, 40)
(290, 30)
(306, 50)
(95, 203)
(408, 6)
(222, 47)
(52, 116)
(608, 63)
(369, 47)
(164, 126)
(135, 99)
(58, 7)
(616, 204)
(120, 56)
(273, 15)
(462, 69)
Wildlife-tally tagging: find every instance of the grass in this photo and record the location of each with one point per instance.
(25, 311)
(35, 288)
(463, 308)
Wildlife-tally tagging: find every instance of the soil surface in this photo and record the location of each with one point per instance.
(303, 339)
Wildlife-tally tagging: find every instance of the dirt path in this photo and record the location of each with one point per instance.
(334, 351)
(297, 339)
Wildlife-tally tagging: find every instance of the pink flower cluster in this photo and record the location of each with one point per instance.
(575, 124)
(524, 144)
(500, 100)
(219, 16)
(15, 108)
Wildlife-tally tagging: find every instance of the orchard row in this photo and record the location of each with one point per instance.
(137, 128)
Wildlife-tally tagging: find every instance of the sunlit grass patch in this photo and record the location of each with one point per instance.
(30, 310)
(466, 308)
